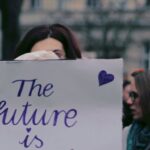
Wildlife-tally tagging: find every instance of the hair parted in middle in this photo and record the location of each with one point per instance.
(56, 31)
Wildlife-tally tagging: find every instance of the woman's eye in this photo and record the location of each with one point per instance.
(58, 53)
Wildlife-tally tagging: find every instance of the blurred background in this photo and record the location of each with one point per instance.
(104, 28)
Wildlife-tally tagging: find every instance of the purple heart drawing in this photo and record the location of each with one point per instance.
(104, 77)
(28, 129)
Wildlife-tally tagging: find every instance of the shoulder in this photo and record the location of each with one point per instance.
(148, 147)
(125, 136)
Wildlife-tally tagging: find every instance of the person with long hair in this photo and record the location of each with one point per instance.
(138, 134)
(56, 39)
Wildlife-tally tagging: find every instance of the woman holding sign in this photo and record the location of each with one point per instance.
(138, 135)
(48, 42)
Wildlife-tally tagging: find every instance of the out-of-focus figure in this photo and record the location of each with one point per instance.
(127, 116)
(138, 134)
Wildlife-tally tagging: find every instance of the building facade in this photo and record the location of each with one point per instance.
(117, 28)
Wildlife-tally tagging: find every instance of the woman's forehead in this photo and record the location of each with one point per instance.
(47, 44)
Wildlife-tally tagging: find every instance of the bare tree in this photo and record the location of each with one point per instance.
(116, 26)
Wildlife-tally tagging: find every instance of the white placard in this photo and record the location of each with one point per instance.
(61, 105)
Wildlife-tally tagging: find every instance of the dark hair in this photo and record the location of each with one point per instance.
(57, 31)
(142, 83)
(137, 71)
(126, 83)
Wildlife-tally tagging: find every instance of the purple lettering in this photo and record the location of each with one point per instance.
(45, 91)
(34, 117)
(71, 114)
(35, 139)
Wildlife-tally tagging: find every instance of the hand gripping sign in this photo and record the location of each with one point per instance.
(60, 105)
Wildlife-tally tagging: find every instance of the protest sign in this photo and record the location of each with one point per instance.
(61, 105)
